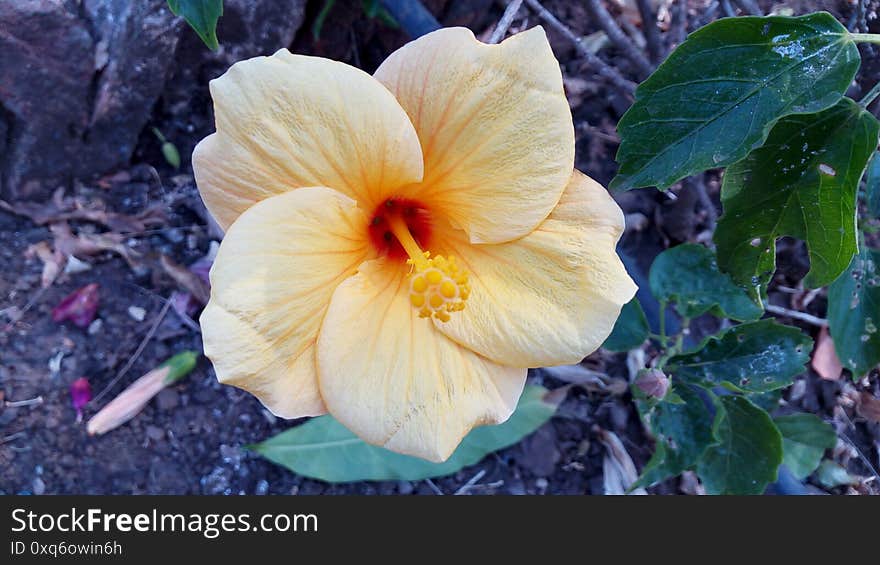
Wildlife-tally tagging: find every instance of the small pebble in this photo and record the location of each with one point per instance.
(95, 326)
(155, 433)
(262, 487)
(541, 484)
(39, 487)
(137, 313)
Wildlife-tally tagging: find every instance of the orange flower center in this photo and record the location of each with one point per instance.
(437, 287)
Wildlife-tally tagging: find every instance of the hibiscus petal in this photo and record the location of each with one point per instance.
(495, 127)
(270, 286)
(394, 380)
(552, 297)
(289, 121)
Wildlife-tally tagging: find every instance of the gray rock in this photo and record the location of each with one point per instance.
(79, 80)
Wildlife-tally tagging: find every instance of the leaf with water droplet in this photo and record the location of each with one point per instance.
(853, 312)
(754, 357)
(718, 94)
(688, 275)
(811, 197)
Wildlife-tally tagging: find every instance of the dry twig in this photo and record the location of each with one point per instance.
(137, 353)
(619, 38)
(649, 28)
(794, 314)
(608, 73)
(506, 19)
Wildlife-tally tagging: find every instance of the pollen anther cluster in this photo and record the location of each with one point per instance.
(437, 287)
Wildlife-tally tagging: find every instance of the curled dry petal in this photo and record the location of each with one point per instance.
(80, 306)
(80, 395)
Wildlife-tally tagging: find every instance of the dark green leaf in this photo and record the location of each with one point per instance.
(683, 432)
(630, 330)
(748, 451)
(753, 357)
(688, 275)
(768, 400)
(802, 183)
(805, 438)
(716, 96)
(202, 16)
(324, 449)
(854, 313)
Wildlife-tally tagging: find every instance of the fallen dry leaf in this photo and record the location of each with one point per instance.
(82, 244)
(868, 407)
(619, 471)
(187, 279)
(825, 361)
(61, 209)
(53, 261)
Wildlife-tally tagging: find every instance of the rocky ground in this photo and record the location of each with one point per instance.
(190, 438)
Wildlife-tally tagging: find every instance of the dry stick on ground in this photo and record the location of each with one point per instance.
(137, 353)
(608, 73)
(678, 26)
(619, 38)
(649, 28)
(506, 19)
(794, 314)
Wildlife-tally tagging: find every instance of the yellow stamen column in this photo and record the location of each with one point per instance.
(437, 287)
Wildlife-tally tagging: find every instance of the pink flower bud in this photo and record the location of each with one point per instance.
(653, 383)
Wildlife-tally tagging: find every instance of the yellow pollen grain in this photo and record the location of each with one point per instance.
(438, 287)
(447, 289)
(419, 284)
(434, 276)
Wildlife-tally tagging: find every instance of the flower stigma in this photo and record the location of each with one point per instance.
(437, 286)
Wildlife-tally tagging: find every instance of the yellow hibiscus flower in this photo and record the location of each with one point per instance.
(401, 247)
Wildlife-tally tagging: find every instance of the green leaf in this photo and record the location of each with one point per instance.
(854, 313)
(872, 186)
(805, 438)
(202, 16)
(688, 275)
(630, 330)
(802, 183)
(748, 452)
(716, 96)
(324, 449)
(768, 400)
(683, 431)
(754, 357)
(831, 475)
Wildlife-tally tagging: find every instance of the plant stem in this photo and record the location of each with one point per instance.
(870, 96)
(865, 37)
